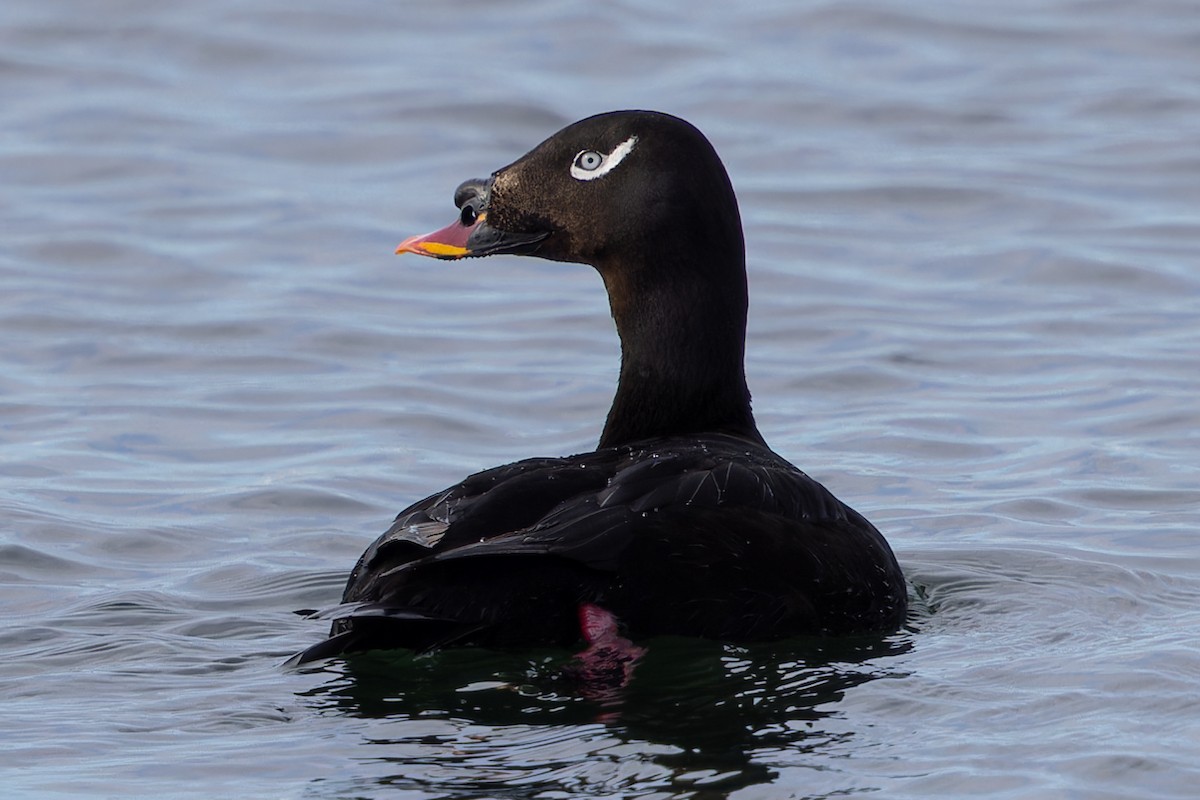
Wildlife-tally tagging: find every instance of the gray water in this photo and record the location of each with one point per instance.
(974, 246)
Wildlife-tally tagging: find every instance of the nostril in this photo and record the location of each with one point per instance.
(468, 215)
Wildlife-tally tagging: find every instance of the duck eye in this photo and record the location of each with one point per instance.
(589, 160)
(468, 215)
(591, 164)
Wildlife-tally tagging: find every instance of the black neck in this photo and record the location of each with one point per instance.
(682, 347)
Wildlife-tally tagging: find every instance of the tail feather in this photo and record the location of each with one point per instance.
(376, 627)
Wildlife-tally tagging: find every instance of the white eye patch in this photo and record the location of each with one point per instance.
(592, 164)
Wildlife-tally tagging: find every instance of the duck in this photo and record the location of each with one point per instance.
(682, 522)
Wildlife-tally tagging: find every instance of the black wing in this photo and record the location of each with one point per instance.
(711, 536)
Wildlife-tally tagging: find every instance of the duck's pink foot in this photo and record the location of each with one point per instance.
(606, 666)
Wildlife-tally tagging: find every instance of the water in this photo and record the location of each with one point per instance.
(973, 232)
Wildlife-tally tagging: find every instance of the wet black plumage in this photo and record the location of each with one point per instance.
(683, 522)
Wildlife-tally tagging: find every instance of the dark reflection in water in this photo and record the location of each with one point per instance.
(694, 711)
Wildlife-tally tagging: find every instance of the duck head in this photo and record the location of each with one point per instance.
(616, 188)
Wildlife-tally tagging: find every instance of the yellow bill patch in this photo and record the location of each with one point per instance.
(439, 249)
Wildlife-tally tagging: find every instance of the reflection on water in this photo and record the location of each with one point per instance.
(697, 714)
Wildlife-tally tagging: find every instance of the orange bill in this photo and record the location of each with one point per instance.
(448, 242)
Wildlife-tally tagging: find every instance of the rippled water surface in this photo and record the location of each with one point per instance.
(974, 239)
